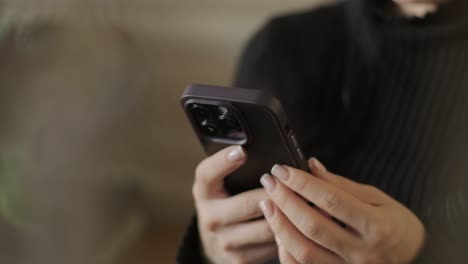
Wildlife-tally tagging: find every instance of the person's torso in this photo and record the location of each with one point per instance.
(397, 120)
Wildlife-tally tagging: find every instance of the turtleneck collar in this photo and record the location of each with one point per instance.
(450, 17)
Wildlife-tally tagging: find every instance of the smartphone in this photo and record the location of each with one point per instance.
(254, 119)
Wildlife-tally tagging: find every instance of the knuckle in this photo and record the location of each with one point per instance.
(259, 195)
(196, 191)
(263, 233)
(382, 235)
(279, 229)
(305, 255)
(367, 257)
(199, 171)
(250, 206)
(248, 202)
(267, 234)
(283, 259)
(331, 201)
(212, 224)
(239, 258)
(200, 181)
(299, 184)
(226, 245)
(372, 190)
(282, 200)
(368, 225)
(313, 230)
(339, 180)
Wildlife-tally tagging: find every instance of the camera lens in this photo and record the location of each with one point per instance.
(229, 123)
(209, 128)
(200, 112)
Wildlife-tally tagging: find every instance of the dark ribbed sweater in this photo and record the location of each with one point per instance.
(382, 100)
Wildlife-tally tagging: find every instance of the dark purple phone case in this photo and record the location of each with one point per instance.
(270, 139)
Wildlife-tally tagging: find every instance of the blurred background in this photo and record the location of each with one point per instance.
(96, 157)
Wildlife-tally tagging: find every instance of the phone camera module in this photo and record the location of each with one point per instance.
(230, 125)
(227, 121)
(200, 112)
(217, 121)
(209, 128)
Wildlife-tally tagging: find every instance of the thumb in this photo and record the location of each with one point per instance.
(210, 173)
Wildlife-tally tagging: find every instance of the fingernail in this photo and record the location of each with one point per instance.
(278, 241)
(236, 154)
(267, 208)
(268, 182)
(280, 172)
(318, 166)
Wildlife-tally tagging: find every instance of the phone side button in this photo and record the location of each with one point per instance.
(301, 155)
(294, 140)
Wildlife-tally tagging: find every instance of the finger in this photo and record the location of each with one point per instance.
(247, 234)
(310, 222)
(285, 257)
(210, 173)
(233, 210)
(363, 192)
(317, 168)
(338, 203)
(255, 254)
(239, 208)
(301, 248)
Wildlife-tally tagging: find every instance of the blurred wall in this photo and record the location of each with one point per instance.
(93, 88)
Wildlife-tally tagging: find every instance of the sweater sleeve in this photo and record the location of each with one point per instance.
(190, 251)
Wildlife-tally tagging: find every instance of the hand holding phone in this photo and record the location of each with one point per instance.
(230, 227)
(253, 119)
(227, 187)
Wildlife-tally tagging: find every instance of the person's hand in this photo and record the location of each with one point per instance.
(230, 228)
(378, 228)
